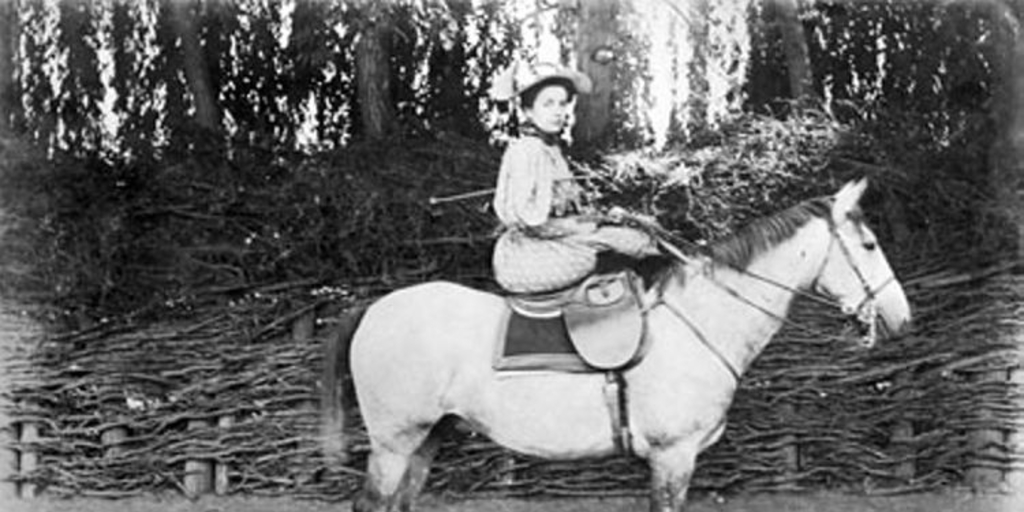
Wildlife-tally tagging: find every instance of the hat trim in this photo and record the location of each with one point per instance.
(510, 84)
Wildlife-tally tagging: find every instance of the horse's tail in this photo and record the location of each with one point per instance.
(336, 372)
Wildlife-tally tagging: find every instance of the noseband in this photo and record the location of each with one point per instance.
(867, 311)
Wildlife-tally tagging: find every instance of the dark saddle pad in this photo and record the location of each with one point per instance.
(596, 326)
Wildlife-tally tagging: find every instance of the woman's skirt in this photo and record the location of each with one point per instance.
(545, 260)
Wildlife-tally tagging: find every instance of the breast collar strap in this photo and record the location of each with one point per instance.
(700, 336)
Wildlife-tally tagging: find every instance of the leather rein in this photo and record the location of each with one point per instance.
(866, 312)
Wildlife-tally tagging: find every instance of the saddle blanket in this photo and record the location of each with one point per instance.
(596, 327)
(537, 344)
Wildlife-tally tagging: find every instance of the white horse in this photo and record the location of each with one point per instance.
(425, 352)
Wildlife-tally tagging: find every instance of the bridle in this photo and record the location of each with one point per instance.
(866, 306)
(866, 311)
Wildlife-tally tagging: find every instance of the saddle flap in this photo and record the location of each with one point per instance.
(604, 320)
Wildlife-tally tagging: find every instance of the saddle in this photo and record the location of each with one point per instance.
(595, 326)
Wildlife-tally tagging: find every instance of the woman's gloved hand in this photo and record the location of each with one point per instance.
(620, 215)
(617, 215)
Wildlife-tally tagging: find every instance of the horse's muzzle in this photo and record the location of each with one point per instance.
(868, 329)
(890, 329)
(879, 328)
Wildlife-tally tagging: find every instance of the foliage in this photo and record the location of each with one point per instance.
(284, 77)
(19, 227)
(159, 233)
(190, 216)
(153, 234)
(719, 180)
(919, 55)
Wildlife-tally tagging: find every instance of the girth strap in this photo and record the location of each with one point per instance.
(618, 406)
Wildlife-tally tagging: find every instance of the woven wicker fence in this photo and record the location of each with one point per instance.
(225, 401)
(216, 390)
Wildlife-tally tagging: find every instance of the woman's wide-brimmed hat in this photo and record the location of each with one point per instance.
(521, 76)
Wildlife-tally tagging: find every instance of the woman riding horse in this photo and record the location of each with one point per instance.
(550, 239)
(423, 356)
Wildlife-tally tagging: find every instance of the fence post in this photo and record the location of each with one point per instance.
(790, 448)
(1015, 439)
(16, 332)
(111, 440)
(506, 469)
(8, 458)
(222, 470)
(903, 431)
(9, 464)
(303, 331)
(986, 443)
(28, 460)
(198, 472)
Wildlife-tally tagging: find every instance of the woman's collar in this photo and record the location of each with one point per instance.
(531, 130)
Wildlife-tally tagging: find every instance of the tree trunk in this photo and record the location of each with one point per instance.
(455, 112)
(185, 19)
(9, 104)
(1007, 158)
(597, 32)
(794, 46)
(1008, 175)
(697, 74)
(373, 73)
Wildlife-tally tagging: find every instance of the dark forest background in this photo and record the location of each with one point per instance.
(152, 149)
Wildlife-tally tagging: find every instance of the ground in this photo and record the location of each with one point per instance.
(932, 502)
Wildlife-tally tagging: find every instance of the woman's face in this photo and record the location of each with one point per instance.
(550, 109)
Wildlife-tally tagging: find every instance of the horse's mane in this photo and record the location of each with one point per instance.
(740, 248)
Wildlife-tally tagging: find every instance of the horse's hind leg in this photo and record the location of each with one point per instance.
(385, 471)
(391, 468)
(418, 470)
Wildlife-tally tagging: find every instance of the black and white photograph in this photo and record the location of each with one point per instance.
(511, 255)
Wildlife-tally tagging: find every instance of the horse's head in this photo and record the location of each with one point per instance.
(855, 271)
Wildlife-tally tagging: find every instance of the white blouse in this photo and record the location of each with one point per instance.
(534, 184)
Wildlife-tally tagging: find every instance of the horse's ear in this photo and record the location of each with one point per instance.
(847, 198)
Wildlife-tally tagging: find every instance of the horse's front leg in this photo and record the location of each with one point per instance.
(671, 470)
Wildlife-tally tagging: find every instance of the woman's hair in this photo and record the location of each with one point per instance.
(529, 95)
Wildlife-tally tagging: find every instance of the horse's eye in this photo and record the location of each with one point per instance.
(870, 246)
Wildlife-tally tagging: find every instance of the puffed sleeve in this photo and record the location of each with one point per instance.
(524, 191)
